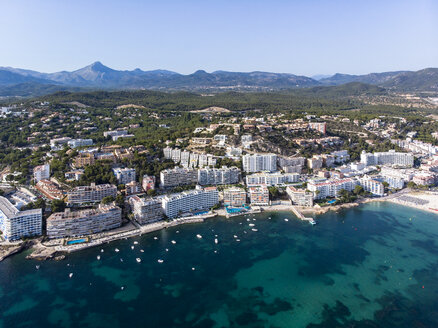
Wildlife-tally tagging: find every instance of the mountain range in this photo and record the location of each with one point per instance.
(21, 82)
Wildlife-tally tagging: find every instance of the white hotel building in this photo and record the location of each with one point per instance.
(389, 157)
(271, 179)
(259, 162)
(17, 224)
(330, 188)
(371, 185)
(190, 201)
(41, 172)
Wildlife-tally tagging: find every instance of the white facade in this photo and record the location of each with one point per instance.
(178, 177)
(41, 172)
(260, 162)
(373, 186)
(271, 179)
(390, 157)
(74, 143)
(125, 175)
(17, 224)
(224, 175)
(190, 201)
(330, 188)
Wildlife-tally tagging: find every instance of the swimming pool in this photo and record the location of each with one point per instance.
(77, 241)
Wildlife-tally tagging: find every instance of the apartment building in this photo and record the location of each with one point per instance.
(330, 188)
(300, 197)
(318, 126)
(75, 143)
(124, 175)
(84, 159)
(178, 177)
(316, 162)
(390, 157)
(190, 201)
(148, 182)
(259, 195)
(132, 188)
(84, 222)
(15, 224)
(223, 175)
(41, 172)
(91, 194)
(146, 210)
(49, 189)
(259, 162)
(271, 179)
(371, 185)
(234, 197)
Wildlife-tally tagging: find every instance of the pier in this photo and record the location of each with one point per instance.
(301, 215)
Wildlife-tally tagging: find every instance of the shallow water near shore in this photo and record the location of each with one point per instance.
(371, 266)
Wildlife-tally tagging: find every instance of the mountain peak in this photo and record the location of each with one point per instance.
(98, 66)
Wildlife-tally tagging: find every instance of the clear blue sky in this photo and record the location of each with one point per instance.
(302, 37)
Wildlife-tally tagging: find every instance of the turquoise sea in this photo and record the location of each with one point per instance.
(371, 266)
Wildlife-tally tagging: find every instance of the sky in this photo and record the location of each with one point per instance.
(304, 37)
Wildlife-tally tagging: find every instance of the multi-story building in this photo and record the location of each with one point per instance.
(185, 158)
(190, 201)
(49, 189)
(224, 175)
(291, 164)
(372, 185)
(259, 195)
(318, 126)
(315, 162)
(125, 175)
(84, 159)
(16, 224)
(328, 160)
(178, 177)
(330, 188)
(396, 178)
(300, 197)
(390, 157)
(259, 162)
(58, 143)
(41, 172)
(146, 210)
(75, 143)
(148, 182)
(133, 188)
(84, 222)
(116, 134)
(234, 197)
(74, 175)
(91, 194)
(271, 179)
(424, 179)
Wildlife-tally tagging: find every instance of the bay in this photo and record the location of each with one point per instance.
(370, 266)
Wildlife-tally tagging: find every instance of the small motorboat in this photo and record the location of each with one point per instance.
(141, 250)
(121, 260)
(216, 241)
(198, 236)
(251, 224)
(193, 269)
(116, 250)
(160, 261)
(173, 242)
(138, 260)
(101, 250)
(167, 249)
(98, 257)
(37, 267)
(286, 220)
(155, 238)
(235, 236)
(122, 288)
(135, 242)
(132, 247)
(253, 229)
(237, 239)
(70, 275)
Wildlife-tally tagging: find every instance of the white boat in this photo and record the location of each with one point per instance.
(253, 229)
(251, 224)
(193, 269)
(167, 249)
(177, 231)
(235, 236)
(216, 241)
(135, 242)
(269, 218)
(121, 260)
(160, 261)
(173, 242)
(98, 257)
(116, 250)
(237, 239)
(70, 275)
(101, 250)
(37, 267)
(312, 222)
(155, 238)
(141, 250)
(199, 236)
(286, 220)
(132, 247)
(138, 260)
(122, 288)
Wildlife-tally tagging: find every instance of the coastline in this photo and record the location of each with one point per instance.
(57, 249)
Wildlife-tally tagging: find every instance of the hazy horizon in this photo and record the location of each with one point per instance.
(303, 38)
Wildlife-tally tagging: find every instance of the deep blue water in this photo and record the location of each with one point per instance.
(372, 266)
